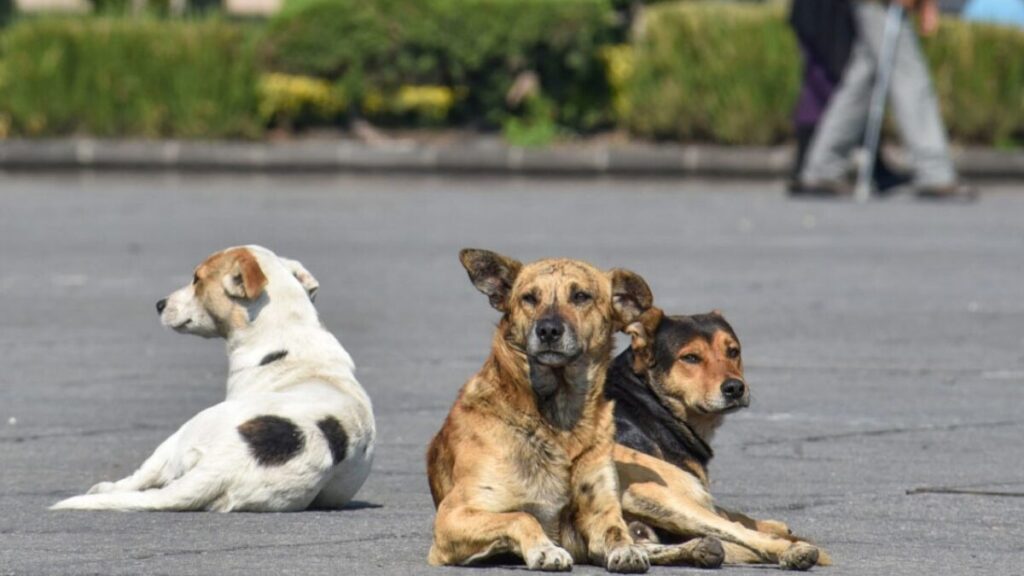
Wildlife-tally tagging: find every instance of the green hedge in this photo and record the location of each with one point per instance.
(978, 72)
(730, 73)
(476, 48)
(724, 72)
(111, 77)
(714, 72)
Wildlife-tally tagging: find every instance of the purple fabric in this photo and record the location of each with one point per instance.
(815, 93)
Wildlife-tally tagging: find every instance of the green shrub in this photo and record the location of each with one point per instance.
(476, 48)
(6, 11)
(113, 77)
(978, 72)
(708, 71)
(729, 73)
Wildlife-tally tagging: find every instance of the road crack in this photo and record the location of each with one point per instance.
(885, 432)
(78, 433)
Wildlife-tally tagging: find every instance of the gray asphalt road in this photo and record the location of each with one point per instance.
(884, 344)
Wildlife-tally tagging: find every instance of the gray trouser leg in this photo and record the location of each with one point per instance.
(842, 128)
(913, 101)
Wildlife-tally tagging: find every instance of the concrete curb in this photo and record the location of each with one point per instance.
(477, 155)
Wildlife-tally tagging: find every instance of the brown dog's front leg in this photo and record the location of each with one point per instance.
(773, 527)
(599, 515)
(464, 535)
(656, 504)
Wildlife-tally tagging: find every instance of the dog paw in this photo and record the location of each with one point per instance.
(102, 488)
(773, 527)
(549, 558)
(799, 556)
(824, 559)
(628, 559)
(642, 533)
(708, 553)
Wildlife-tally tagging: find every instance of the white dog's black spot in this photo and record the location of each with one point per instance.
(336, 437)
(272, 440)
(273, 357)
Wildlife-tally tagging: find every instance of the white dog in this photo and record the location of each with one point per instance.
(296, 428)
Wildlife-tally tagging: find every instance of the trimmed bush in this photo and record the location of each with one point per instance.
(111, 77)
(716, 72)
(475, 48)
(978, 72)
(729, 73)
(725, 72)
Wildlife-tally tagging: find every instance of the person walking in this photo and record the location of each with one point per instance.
(914, 106)
(825, 31)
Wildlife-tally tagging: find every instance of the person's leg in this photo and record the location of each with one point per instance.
(804, 133)
(914, 105)
(842, 127)
(815, 92)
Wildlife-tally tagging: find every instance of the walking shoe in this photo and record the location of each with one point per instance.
(889, 181)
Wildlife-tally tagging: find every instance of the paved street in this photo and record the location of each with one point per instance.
(884, 345)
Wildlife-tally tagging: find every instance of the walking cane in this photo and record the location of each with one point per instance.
(887, 61)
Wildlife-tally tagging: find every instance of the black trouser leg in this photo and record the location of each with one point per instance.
(804, 133)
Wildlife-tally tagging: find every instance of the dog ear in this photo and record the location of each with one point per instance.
(631, 297)
(642, 332)
(491, 273)
(245, 278)
(309, 283)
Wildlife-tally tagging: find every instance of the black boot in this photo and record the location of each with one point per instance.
(804, 133)
(886, 179)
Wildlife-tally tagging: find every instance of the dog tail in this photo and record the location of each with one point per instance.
(823, 558)
(193, 491)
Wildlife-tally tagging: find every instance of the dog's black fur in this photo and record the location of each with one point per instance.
(642, 421)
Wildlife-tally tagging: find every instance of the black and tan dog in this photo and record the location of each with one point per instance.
(523, 464)
(671, 389)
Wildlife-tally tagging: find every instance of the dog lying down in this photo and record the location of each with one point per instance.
(523, 464)
(672, 388)
(296, 429)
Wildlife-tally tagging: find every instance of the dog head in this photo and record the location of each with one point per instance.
(694, 363)
(557, 311)
(230, 289)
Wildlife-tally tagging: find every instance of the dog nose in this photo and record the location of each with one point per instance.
(733, 389)
(160, 305)
(549, 330)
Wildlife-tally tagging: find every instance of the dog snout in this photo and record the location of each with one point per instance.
(160, 305)
(733, 389)
(550, 330)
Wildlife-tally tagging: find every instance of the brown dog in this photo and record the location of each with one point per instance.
(523, 463)
(671, 389)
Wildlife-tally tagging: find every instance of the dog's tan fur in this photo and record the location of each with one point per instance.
(223, 298)
(511, 473)
(677, 499)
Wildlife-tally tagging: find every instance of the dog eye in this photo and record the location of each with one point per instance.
(581, 297)
(529, 299)
(732, 353)
(195, 279)
(691, 359)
